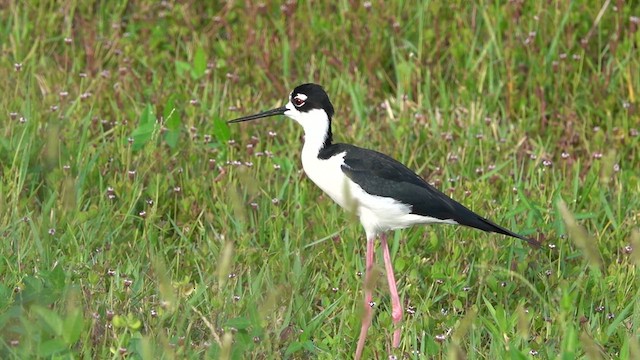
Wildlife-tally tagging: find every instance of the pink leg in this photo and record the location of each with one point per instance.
(396, 307)
(366, 316)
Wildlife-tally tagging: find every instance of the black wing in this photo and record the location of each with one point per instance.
(379, 174)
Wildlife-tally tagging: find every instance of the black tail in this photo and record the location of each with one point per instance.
(480, 223)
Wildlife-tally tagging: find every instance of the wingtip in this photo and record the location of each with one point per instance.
(488, 225)
(533, 243)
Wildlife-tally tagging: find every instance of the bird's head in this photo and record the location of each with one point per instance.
(308, 105)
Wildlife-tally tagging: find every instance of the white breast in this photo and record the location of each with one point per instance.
(328, 175)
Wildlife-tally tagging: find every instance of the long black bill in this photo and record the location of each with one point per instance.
(278, 111)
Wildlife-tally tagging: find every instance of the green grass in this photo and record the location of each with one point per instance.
(134, 222)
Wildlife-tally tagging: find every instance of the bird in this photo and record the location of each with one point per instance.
(383, 193)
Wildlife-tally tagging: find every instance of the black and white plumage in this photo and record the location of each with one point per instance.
(380, 175)
(382, 192)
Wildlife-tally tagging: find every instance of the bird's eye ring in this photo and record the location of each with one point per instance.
(298, 102)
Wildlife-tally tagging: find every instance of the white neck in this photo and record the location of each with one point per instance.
(316, 128)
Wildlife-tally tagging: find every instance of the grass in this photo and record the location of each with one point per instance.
(136, 223)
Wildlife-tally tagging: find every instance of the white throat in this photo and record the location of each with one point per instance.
(316, 128)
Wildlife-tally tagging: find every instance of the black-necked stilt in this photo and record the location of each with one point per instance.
(382, 192)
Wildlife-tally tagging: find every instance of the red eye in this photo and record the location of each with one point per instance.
(298, 102)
